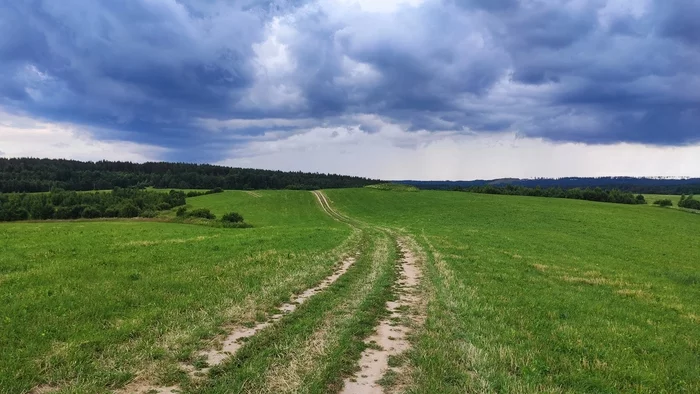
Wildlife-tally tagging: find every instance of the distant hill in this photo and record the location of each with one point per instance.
(629, 184)
(39, 175)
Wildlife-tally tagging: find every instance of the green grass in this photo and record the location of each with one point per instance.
(653, 197)
(277, 208)
(311, 350)
(524, 295)
(87, 305)
(548, 295)
(396, 187)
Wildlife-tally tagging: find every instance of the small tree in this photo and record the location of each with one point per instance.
(664, 203)
(232, 217)
(128, 210)
(91, 213)
(640, 199)
(201, 213)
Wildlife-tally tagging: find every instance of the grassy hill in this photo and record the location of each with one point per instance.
(521, 295)
(94, 302)
(546, 295)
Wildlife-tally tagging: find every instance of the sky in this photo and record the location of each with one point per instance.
(393, 89)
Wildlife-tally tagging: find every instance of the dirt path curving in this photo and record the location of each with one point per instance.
(390, 337)
(327, 208)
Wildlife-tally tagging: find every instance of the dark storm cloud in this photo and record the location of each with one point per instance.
(149, 71)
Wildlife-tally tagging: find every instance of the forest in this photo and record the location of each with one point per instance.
(26, 175)
(625, 184)
(589, 194)
(61, 204)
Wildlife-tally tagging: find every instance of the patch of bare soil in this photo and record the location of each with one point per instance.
(43, 389)
(236, 338)
(254, 194)
(390, 338)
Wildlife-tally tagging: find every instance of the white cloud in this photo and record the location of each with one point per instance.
(24, 137)
(393, 153)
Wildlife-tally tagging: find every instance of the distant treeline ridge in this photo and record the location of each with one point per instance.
(42, 175)
(596, 194)
(625, 184)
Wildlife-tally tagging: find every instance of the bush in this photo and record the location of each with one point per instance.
(46, 212)
(664, 203)
(689, 202)
(164, 206)
(73, 212)
(128, 210)
(111, 212)
(181, 212)
(201, 213)
(232, 217)
(148, 214)
(640, 199)
(91, 213)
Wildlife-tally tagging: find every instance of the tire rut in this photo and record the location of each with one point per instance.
(236, 338)
(391, 334)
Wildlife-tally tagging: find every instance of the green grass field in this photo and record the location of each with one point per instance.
(653, 197)
(549, 295)
(92, 303)
(522, 295)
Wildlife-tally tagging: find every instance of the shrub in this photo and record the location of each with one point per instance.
(111, 212)
(181, 212)
(664, 203)
(164, 206)
(128, 210)
(46, 212)
(689, 202)
(640, 199)
(64, 213)
(148, 214)
(91, 213)
(232, 217)
(201, 213)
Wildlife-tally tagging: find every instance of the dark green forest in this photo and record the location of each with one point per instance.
(589, 194)
(61, 204)
(42, 175)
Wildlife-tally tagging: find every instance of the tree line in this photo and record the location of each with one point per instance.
(27, 175)
(62, 204)
(624, 184)
(589, 194)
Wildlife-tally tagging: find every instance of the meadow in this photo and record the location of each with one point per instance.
(520, 295)
(531, 294)
(87, 305)
(653, 197)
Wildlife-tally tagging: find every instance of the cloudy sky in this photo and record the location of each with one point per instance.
(423, 89)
